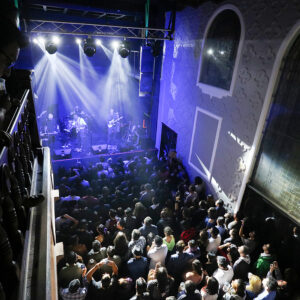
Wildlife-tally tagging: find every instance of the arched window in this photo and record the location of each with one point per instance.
(220, 50)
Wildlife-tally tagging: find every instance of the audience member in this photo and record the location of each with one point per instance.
(137, 266)
(157, 252)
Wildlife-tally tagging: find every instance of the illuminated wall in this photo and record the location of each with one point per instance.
(216, 131)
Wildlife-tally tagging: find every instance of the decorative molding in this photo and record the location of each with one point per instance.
(212, 160)
(209, 89)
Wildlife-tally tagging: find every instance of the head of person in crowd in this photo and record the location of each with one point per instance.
(150, 238)
(180, 246)
(168, 231)
(110, 251)
(270, 284)
(222, 262)
(220, 221)
(158, 241)
(137, 252)
(243, 251)
(255, 284)
(135, 234)
(140, 286)
(148, 221)
(212, 213)
(239, 287)
(71, 258)
(267, 248)
(211, 257)
(214, 231)
(212, 286)
(197, 266)
(189, 287)
(96, 245)
(74, 285)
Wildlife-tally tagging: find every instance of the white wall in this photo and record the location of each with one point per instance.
(228, 156)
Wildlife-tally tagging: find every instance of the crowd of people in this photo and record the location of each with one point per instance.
(139, 229)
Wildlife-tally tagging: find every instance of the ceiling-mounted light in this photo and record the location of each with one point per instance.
(56, 40)
(115, 44)
(89, 47)
(41, 39)
(123, 49)
(78, 41)
(98, 42)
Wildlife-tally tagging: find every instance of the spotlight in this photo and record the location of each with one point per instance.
(98, 42)
(115, 44)
(124, 49)
(41, 40)
(89, 47)
(78, 41)
(210, 51)
(56, 40)
(51, 47)
(35, 40)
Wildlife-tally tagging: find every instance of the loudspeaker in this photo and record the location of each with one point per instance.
(63, 153)
(146, 71)
(96, 149)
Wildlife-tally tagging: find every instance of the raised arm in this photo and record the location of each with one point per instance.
(90, 273)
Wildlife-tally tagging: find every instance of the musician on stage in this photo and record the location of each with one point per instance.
(114, 129)
(50, 129)
(81, 127)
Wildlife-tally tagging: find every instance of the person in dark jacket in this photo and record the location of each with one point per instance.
(241, 266)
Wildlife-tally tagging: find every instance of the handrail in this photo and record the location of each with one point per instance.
(38, 273)
(46, 273)
(14, 121)
(13, 125)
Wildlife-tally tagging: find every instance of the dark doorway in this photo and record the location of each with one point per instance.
(168, 140)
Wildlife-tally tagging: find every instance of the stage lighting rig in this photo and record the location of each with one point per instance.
(51, 44)
(89, 47)
(124, 49)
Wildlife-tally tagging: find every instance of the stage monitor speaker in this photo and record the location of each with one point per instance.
(63, 153)
(97, 149)
(146, 71)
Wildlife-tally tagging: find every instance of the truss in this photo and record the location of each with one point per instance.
(78, 29)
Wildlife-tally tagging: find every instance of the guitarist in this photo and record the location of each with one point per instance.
(114, 128)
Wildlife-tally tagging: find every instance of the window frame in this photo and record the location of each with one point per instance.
(210, 89)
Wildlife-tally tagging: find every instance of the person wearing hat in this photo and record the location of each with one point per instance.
(137, 266)
(74, 291)
(224, 273)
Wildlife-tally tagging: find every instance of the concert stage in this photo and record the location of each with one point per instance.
(91, 159)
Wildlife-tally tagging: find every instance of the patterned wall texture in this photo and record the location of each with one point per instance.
(266, 25)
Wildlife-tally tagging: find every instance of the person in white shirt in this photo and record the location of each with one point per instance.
(224, 273)
(214, 241)
(157, 252)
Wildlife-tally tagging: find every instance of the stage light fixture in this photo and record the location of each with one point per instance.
(41, 40)
(78, 41)
(50, 47)
(123, 49)
(98, 42)
(89, 47)
(115, 44)
(56, 40)
(35, 40)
